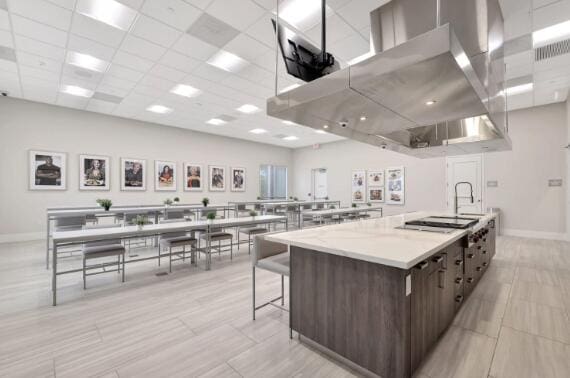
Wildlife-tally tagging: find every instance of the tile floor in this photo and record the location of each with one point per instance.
(197, 323)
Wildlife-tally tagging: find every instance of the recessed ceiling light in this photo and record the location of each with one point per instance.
(321, 132)
(185, 90)
(292, 86)
(551, 33)
(518, 89)
(430, 102)
(363, 118)
(86, 61)
(110, 12)
(227, 61)
(248, 109)
(258, 131)
(160, 109)
(76, 91)
(216, 121)
(290, 137)
(325, 126)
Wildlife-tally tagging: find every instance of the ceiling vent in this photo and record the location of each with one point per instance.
(552, 50)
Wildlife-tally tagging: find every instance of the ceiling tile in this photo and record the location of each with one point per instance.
(175, 13)
(157, 83)
(350, 47)
(239, 14)
(209, 72)
(263, 31)
(202, 4)
(39, 62)
(179, 61)
(168, 73)
(194, 48)
(39, 93)
(124, 73)
(147, 91)
(135, 4)
(155, 31)
(357, 12)
(212, 30)
(113, 91)
(267, 4)
(132, 61)
(68, 4)
(99, 106)
(140, 47)
(36, 75)
(258, 75)
(89, 47)
(116, 82)
(42, 11)
(40, 48)
(6, 39)
(96, 31)
(38, 31)
(246, 47)
(70, 101)
(510, 7)
(337, 29)
(9, 66)
(82, 74)
(4, 20)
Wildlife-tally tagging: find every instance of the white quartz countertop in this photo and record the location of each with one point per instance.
(377, 240)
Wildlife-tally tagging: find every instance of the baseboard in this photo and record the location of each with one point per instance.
(26, 236)
(535, 234)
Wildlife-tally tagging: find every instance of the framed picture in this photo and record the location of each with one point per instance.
(375, 178)
(395, 186)
(133, 174)
(94, 172)
(193, 177)
(47, 170)
(164, 176)
(376, 194)
(358, 182)
(238, 179)
(217, 178)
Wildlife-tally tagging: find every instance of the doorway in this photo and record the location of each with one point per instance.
(465, 183)
(319, 183)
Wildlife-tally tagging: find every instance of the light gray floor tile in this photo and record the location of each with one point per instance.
(541, 320)
(541, 294)
(481, 316)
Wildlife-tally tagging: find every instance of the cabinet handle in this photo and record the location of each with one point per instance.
(479, 247)
(484, 252)
(470, 280)
(459, 280)
(470, 256)
(441, 277)
(485, 240)
(478, 269)
(485, 264)
(422, 265)
(459, 299)
(438, 259)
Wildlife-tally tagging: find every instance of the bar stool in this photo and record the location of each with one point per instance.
(217, 235)
(176, 240)
(106, 248)
(249, 232)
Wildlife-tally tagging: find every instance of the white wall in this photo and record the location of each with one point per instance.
(529, 206)
(425, 178)
(568, 169)
(27, 125)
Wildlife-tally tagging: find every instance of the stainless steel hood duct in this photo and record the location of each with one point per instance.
(446, 51)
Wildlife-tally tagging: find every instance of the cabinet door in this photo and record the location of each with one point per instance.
(419, 313)
(446, 285)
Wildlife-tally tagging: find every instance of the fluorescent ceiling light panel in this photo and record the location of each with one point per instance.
(76, 91)
(518, 89)
(291, 137)
(248, 109)
(160, 109)
(216, 122)
(551, 34)
(258, 131)
(86, 61)
(227, 61)
(110, 12)
(185, 90)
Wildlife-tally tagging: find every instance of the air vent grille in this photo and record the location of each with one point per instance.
(552, 50)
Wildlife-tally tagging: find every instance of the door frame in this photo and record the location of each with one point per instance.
(483, 187)
(313, 181)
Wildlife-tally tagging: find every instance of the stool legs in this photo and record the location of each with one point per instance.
(282, 291)
(84, 277)
(123, 278)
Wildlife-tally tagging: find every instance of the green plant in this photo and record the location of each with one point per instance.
(332, 207)
(205, 201)
(141, 220)
(258, 198)
(176, 199)
(354, 205)
(327, 198)
(211, 216)
(295, 199)
(105, 203)
(253, 213)
(290, 197)
(168, 202)
(369, 204)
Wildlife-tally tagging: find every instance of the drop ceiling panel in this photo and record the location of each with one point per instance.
(194, 47)
(4, 20)
(42, 11)
(39, 48)
(212, 30)
(68, 4)
(178, 61)
(155, 31)
(239, 14)
(263, 31)
(142, 48)
(41, 32)
(96, 31)
(6, 39)
(40, 62)
(176, 13)
(132, 61)
(168, 73)
(124, 73)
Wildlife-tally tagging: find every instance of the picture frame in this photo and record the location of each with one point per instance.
(376, 194)
(194, 177)
(375, 178)
(133, 174)
(217, 178)
(238, 179)
(47, 170)
(165, 173)
(358, 185)
(94, 172)
(395, 186)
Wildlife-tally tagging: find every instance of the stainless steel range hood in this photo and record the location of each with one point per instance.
(445, 51)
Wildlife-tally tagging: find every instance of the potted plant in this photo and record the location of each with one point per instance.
(167, 202)
(295, 198)
(332, 207)
(258, 198)
(290, 197)
(176, 200)
(140, 221)
(205, 201)
(354, 205)
(105, 203)
(326, 198)
(253, 213)
(369, 204)
(211, 216)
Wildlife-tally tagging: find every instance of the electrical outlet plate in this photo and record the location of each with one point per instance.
(492, 184)
(555, 182)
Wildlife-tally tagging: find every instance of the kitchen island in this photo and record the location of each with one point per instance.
(379, 296)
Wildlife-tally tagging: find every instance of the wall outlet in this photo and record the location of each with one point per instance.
(492, 184)
(555, 182)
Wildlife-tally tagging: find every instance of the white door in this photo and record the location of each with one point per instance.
(465, 183)
(319, 181)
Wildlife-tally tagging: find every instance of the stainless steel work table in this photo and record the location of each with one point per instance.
(157, 210)
(77, 237)
(321, 214)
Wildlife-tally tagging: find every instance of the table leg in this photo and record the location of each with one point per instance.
(54, 274)
(47, 243)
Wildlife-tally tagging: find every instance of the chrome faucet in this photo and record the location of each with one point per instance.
(457, 197)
